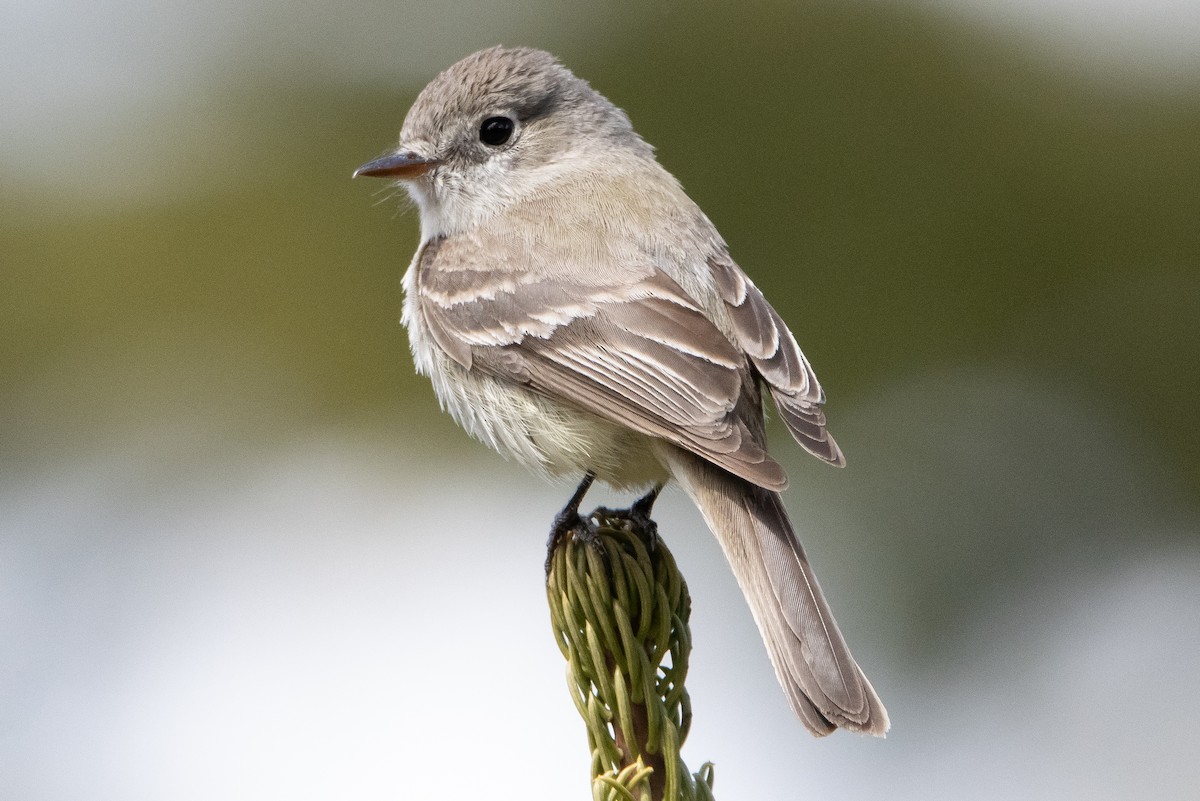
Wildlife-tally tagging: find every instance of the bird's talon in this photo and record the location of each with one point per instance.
(569, 521)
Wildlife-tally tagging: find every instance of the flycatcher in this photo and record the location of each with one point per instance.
(577, 312)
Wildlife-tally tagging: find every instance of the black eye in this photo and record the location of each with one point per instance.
(495, 131)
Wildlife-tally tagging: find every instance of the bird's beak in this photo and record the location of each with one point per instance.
(401, 164)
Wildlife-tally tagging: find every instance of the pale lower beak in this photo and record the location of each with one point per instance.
(401, 164)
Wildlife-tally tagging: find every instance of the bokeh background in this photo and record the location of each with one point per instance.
(242, 555)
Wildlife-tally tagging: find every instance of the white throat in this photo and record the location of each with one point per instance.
(454, 200)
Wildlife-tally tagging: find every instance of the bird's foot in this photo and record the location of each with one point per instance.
(638, 517)
(570, 522)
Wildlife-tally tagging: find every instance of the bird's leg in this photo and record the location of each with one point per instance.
(639, 515)
(568, 520)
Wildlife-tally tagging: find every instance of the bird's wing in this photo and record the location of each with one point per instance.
(764, 337)
(635, 349)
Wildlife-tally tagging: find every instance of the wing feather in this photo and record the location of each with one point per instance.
(641, 354)
(764, 337)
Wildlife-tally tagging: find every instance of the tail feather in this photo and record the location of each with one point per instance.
(823, 683)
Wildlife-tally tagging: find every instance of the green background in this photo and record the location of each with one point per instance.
(988, 246)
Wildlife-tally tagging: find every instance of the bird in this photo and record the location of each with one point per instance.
(577, 312)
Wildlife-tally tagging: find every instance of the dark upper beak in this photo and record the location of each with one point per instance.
(401, 164)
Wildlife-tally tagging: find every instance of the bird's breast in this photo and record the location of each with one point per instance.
(551, 437)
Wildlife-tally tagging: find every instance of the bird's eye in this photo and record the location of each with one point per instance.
(495, 131)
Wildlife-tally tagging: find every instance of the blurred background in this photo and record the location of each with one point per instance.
(243, 556)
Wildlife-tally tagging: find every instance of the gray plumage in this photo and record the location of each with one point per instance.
(578, 312)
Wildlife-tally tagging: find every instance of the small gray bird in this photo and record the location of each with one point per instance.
(577, 312)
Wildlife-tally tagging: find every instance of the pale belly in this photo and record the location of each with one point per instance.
(550, 437)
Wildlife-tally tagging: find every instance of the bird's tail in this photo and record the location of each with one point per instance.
(822, 681)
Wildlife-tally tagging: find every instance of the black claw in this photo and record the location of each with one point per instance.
(569, 521)
(585, 530)
(639, 515)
